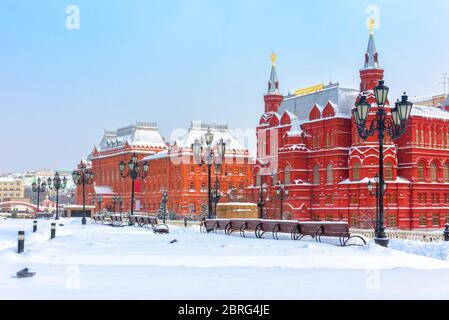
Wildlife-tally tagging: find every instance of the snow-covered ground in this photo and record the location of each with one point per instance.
(102, 262)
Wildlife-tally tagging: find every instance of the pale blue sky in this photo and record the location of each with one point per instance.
(176, 61)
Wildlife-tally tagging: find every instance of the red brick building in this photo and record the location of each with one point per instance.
(309, 141)
(142, 139)
(174, 169)
(171, 168)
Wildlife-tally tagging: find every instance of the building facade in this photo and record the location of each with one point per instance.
(11, 189)
(309, 142)
(171, 168)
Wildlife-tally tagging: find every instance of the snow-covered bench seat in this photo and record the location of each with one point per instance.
(331, 229)
(297, 230)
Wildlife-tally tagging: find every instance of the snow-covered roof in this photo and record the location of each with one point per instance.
(198, 129)
(446, 102)
(366, 180)
(142, 134)
(342, 99)
(429, 112)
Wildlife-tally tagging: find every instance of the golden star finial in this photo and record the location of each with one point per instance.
(273, 58)
(371, 25)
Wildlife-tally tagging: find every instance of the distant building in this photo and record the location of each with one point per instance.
(429, 101)
(11, 189)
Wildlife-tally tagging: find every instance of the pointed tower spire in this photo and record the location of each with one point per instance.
(273, 83)
(273, 98)
(371, 72)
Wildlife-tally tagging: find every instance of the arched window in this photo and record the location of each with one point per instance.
(316, 174)
(446, 173)
(417, 136)
(330, 173)
(287, 175)
(433, 172)
(388, 171)
(421, 171)
(356, 171)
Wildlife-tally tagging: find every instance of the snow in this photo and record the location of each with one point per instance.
(101, 262)
(429, 112)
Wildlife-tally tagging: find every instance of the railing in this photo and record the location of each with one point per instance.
(425, 236)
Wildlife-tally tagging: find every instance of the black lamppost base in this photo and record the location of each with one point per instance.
(382, 242)
(83, 221)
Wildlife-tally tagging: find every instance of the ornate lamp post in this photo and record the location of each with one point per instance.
(394, 126)
(216, 194)
(83, 176)
(261, 201)
(115, 200)
(282, 194)
(39, 188)
(164, 204)
(57, 183)
(135, 170)
(208, 158)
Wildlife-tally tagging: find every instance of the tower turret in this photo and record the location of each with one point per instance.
(371, 72)
(273, 98)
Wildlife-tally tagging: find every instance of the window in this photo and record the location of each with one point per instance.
(417, 136)
(435, 220)
(392, 221)
(258, 179)
(356, 171)
(316, 174)
(274, 175)
(192, 186)
(446, 219)
(355, 221)
(446, 173)
(388, 172)
(422, 220)
(433, 172)
(287, 178)
(329, 217)
(430, 138)
(330, 173)
(203, 187)
(422, 137)
(421, 171)
(329, 199)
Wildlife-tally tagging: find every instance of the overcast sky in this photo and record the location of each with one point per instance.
(177, 61)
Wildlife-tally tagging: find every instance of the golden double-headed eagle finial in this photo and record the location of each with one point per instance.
(371, 25)
(273, 58)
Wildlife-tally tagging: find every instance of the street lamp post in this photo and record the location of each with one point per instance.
(282, 194)
(216, 195)
(39, 188)
(83, 176)
(57, 183)
(261, 201)
(135, 170)
(164, 204)
(115, 200)
(394, 126)
(208, 158)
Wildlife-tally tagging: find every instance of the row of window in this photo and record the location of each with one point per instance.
(434, 170)
(432, 139)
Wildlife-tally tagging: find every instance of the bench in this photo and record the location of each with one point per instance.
(297, 230)
(316, 230)
(249, 225)
(212, 225)
(279, 226)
